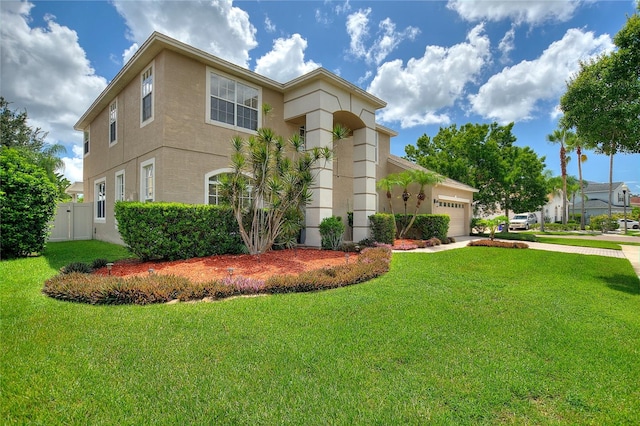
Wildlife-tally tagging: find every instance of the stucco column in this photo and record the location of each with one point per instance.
(364, 181)
(319, 133)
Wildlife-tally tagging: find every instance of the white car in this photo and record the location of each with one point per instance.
(631, 224)
(522, 221)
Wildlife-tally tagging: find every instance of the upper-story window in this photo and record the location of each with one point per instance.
(113, 115)
(85, 137)
(147, 95)
(233, 103)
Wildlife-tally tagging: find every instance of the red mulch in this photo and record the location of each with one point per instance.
(277, 262)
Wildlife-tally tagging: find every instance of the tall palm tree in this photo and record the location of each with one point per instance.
(560, 136)
(577, 146)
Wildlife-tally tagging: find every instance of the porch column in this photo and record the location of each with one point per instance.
(319, 133)
(364, 181)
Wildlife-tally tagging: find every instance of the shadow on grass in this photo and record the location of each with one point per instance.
(626, 283)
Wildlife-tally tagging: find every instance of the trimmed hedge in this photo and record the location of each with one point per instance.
(177, 231)
(427, 226)
(383, 228)
(155, 288)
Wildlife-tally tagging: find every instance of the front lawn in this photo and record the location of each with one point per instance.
(467, 336)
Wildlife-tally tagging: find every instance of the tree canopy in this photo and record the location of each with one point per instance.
(484, 156)
(602, 100)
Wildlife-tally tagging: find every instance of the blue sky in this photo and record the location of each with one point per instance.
(435, 63)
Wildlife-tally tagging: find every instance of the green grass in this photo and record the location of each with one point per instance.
(469, 336)
(582, 242)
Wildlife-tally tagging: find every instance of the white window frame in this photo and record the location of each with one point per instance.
(144, 180)
(86, 141)
(97, 199)
(147, 89)
(216, 173)
(113, 120)
(119, 187)
(236, 81)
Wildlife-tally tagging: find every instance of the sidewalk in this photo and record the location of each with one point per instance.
(631, 253)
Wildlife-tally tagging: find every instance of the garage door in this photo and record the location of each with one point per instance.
(456, 213)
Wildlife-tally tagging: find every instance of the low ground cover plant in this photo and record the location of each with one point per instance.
(494, 243)
(76, 286)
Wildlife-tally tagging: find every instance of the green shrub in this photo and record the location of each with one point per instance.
(99, 263)
(27, 204)
(383, 228)
(603, 223)
(331, 231)
(292, 224)
(79, 267)
(428, 225)
(154, 288)
(177, 231)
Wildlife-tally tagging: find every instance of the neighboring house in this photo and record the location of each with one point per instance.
(597, 199)
(75, 190)
(162, 130)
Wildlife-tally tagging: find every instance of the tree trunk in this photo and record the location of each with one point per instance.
(579, 151)
(610, 181)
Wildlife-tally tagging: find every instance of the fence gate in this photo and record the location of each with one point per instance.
(73, 221)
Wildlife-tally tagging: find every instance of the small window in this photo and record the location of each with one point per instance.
(86, 142)
(303, 136)
(119, 186)
(113, 114)
(147, 181)
(147, 95)
(233, 103)
(100, 199)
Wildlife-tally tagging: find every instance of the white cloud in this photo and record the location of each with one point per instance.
(416, 93)
(269, 26)
(286, 60)
(213, 26)
(506, 45)
(128, 53)
(46, 72)
(73, 165)
(520, 11)
(512, 94)
(386, 42)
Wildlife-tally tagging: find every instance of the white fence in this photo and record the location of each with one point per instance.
(73, 221)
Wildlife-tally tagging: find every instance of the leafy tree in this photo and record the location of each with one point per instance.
(493, 224)
(523, 188)
(603, 99)
(278, 174)
(27, 204)
(17, 134)
(484, 157)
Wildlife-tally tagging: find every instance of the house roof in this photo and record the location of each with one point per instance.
(75, 188)
(158, 42)
(408, 165)
(599, 187)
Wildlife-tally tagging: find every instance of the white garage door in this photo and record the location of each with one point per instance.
(455, 210)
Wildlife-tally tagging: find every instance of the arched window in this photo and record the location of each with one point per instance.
(214, 195)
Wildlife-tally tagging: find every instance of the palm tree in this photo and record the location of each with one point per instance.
(576, 145)
(560, 136)
(387, 184)
(422, 178)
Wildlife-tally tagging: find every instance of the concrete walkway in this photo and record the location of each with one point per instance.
(631, 253)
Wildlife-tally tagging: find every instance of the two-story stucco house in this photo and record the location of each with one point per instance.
(162, 130)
